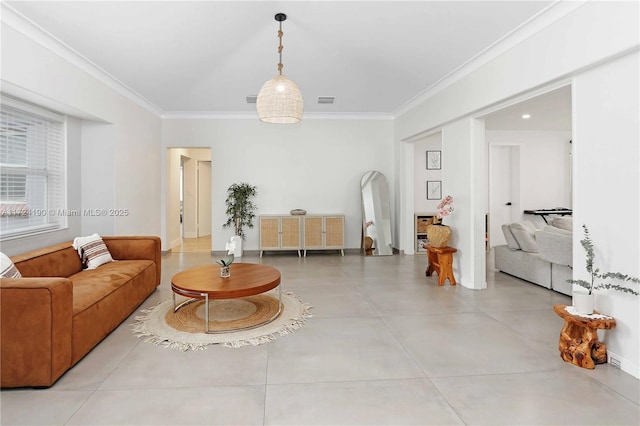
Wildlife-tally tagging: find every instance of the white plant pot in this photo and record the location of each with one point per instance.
(237, 252)
(583, 301)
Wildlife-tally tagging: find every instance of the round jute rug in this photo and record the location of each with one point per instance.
(184, 330)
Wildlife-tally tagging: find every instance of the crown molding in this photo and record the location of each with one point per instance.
(349, 116)
(208, 115)
(243, 115)
(39, 35)
(547, 16)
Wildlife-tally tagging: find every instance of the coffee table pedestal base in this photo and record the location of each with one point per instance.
(195, 296)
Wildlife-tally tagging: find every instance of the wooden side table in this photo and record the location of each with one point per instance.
(579, 342)
(441, 262)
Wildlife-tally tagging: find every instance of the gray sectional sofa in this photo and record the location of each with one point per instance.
(543, 257)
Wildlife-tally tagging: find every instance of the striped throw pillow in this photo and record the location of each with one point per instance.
(7, 268)
(92, 250)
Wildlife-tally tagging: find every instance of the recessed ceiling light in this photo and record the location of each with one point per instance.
(526, 116)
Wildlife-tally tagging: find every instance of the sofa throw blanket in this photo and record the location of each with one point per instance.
(92, 250)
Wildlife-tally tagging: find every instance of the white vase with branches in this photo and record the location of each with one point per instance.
(583, 298)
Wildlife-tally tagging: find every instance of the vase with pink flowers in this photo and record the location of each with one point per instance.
(445, 208)
(438, 234)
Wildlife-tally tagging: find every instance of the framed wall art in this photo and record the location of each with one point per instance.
(434, 160)
(434, 190)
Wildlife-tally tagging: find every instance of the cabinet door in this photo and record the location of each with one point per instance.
(290, 233)
(313, 232)
(334, 232)
(269, 233)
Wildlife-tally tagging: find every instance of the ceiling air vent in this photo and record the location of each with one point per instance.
(252, 99)
(326, 99)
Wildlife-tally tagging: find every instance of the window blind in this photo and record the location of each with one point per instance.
(32, 170)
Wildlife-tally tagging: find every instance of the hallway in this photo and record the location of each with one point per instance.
(194, 245)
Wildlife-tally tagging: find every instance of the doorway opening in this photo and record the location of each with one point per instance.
(189, 199)
(529, 146)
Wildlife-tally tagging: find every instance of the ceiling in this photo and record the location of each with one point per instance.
(374, 57)
(549, 111)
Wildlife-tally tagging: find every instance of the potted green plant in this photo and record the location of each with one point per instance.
(583, 300)
(240, 212)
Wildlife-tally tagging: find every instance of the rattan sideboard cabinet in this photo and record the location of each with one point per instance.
(324, 232)
(280, 232)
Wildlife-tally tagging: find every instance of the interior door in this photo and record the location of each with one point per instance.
(204, 198)
(504, 184)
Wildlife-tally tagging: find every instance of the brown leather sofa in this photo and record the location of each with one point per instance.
(57, 312)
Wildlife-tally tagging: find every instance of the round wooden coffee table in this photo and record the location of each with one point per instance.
(204, 282)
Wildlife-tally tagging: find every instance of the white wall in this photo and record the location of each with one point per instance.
(98, 190)
(463, 143)
(422, 175)
(607, 192)
(544, 174)
(137, 171)
(115, 152)
(316, 165)
(585, 44)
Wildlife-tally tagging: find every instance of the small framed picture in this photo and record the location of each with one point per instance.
(434, 189)
(434, 160)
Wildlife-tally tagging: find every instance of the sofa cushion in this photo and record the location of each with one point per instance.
(558, 231)
(508, 236)
(59, 260)
(564, 222)
(527, 266)
(555, 245)
(90, 285)
(524, 233)
(7, 268)
(92, 250)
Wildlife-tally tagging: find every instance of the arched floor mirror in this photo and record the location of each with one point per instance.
(376, 215)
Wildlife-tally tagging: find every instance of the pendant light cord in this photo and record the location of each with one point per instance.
(280, 47)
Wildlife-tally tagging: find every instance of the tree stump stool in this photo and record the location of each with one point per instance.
(579, 342)
(441, 262)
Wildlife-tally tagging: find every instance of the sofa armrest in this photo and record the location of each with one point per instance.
(36, 327)
(555, 247)
(136, 248)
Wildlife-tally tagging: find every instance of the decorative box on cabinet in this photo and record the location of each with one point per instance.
(324, 232)
(280, 233)
(422, 220)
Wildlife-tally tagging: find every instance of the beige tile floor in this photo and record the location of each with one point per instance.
(386, 346)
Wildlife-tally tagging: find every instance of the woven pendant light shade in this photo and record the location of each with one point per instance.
(279, 101)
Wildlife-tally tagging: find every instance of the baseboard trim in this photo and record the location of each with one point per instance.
(623, 364)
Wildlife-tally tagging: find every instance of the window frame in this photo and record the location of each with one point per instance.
(54, 195)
